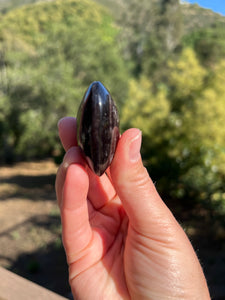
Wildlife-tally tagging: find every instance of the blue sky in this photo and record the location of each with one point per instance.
(215, 5)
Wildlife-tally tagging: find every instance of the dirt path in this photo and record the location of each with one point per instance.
(30, 242)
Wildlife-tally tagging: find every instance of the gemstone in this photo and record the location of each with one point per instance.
(98, 127)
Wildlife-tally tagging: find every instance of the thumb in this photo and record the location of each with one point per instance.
(145, 209)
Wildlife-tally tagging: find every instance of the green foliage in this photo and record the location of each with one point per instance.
(186, 79)
(145, 109)
(137, 19)
(50, 53)
(152, 31)
(183, 131)
(209, 114)
(178, 100)
(151, 112)
(6, 5)
(208, 43)
(165, 40)
(199, 141)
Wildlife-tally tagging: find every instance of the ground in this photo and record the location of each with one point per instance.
(30, 233)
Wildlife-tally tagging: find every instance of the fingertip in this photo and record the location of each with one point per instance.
(64, 122)
(60, 122)
(130, 133)
(67, 128)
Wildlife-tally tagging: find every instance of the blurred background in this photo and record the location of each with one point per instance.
(164, 64)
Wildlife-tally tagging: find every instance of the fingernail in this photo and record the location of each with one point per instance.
(135, 147)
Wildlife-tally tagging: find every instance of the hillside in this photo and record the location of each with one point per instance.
(6, 5)
(194, 16)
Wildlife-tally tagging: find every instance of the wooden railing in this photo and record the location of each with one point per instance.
(14, 287)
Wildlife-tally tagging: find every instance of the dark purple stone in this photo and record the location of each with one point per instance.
(98, 127)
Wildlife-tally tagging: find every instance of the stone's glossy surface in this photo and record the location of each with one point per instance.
(98, 127)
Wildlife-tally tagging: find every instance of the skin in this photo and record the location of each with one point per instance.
(120, 239)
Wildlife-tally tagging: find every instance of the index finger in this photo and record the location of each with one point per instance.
(68, 132)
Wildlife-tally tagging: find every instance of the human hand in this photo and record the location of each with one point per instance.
(121, 240)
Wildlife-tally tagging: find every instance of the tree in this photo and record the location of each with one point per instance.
(186, 79)
(137, 19)
(150, 111)
(151, 33)
(165, 39)
(203, 155)
(52, 52)
(208, 43)
(183, 132)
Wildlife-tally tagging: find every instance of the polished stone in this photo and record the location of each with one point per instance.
(98, 127)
